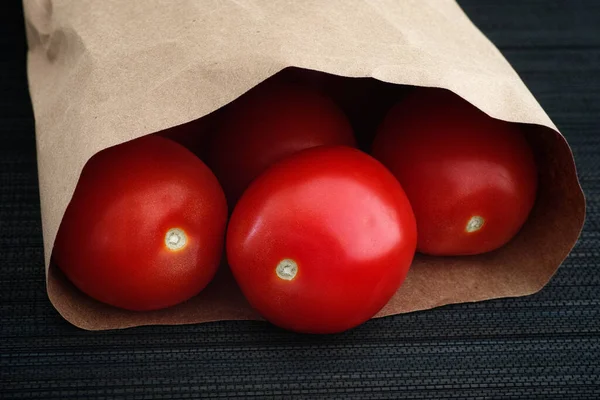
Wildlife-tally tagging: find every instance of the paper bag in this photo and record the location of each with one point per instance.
(105, 72)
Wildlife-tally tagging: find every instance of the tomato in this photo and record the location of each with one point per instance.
(269, 123)
(471, 179)
(145, 227)
(321, 241)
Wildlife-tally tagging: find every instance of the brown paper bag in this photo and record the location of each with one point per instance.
(104, 72)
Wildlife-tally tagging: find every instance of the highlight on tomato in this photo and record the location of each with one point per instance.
(322, 240)
(145, 227)
(471, 179)
(272, 121)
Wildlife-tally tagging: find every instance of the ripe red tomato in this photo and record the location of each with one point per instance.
(471, 179)
(272, 121)
(321, 241)
(145, 227)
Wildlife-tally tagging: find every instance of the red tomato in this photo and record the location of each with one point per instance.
(321, 241)
(269, 123)
(145, 227)
(471, 179)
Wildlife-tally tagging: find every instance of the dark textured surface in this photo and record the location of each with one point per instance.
(545, 346)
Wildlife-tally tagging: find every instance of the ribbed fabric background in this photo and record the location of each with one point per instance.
(545, 346)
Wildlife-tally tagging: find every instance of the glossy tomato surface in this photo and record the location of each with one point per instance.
(471, 179)
(272, 121)
(145, 227)
(321, 241)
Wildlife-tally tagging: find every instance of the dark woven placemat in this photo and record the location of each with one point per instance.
(545, 346)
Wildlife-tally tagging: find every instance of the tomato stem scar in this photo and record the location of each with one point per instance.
(287, 269)
(475, 223)
(175, 239)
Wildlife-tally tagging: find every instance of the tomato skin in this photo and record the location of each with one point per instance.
(111, 242)
(346, 223)
(456, 164)
(271, 122)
